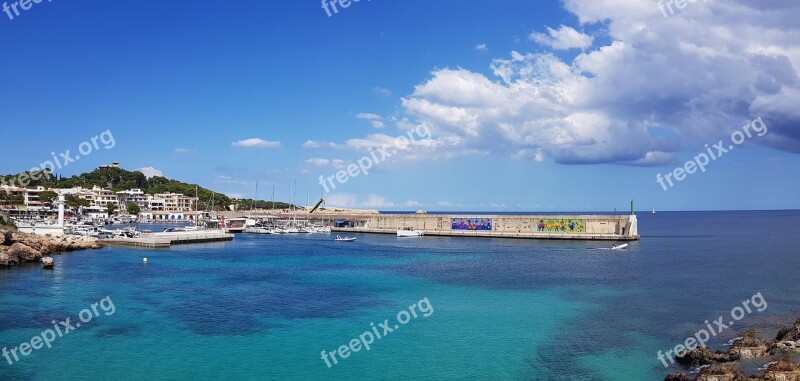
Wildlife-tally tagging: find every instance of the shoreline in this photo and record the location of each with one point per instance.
(17, 248)
(782, 354)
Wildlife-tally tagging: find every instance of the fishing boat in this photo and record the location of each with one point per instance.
(619, 247)
(345, 238)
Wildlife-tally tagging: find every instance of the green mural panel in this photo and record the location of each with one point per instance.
(561, 226)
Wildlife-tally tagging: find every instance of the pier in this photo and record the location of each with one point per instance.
(531, 226)
(561, 227)
(165, 240)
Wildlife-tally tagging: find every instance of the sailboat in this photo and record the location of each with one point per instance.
(654, 211)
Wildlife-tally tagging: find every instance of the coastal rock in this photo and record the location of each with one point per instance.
(782, 370)
(704, 356)
(7, 257)
(677, 377)
(5, 237)
(25, 252)
(20, 248)
(719, 372)
(750, 346)
(787, 340)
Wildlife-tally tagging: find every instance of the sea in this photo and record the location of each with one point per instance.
(265, 307)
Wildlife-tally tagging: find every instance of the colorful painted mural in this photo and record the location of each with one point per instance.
(561, 226)
(471, 223)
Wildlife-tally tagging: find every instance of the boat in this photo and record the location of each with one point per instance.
(619, 247)
(345, 238)
(408, 232)
(654, 211)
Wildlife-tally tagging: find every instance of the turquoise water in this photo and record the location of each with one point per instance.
(264, 307)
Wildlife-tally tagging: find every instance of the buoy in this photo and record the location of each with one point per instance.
(145, 260)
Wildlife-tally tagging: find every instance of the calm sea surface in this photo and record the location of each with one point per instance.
(265, 307)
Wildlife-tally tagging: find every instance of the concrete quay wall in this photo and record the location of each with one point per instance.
(578, 227)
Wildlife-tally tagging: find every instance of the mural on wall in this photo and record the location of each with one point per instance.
(561, 226)
(471, 223)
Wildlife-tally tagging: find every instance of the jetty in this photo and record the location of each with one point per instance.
(556, 227)
(165, 240)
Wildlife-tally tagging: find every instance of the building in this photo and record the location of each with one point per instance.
(133, 196)
(29, 198)
(177, 201)
(100, 197)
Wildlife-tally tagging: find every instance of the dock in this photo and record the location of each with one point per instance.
(165, 240)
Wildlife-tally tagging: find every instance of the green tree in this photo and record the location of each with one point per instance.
(74, 201)
(47, 197)
(111, 208)
(133, 209)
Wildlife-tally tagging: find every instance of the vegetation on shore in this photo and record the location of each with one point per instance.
(118, 179)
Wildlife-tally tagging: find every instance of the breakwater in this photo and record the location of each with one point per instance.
(568, 227)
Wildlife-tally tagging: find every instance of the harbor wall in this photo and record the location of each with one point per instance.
(586, 227)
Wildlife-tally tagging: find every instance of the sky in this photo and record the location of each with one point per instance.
(449, 105)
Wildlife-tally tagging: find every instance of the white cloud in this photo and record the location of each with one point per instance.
(256, 143)
(309, 144)
(375, 119)
(150, 172)
(481, 47)
(657, 88)
(562, 38)
(368, 116)
(318, 162)
(184, 150)
(383, 91)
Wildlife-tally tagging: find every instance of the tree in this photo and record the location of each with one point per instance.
(74, 201)
(133, 209)
(111, 208)
(47, 197)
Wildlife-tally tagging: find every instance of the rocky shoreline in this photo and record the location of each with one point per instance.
(724, 365)
(18, 248)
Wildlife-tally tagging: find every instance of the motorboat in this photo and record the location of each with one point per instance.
(408, 232)
(345, 238)
(619, 247)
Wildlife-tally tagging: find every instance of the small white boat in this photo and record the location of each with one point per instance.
(345, 238)
(619, 247)
(408, 232)
(654, 211)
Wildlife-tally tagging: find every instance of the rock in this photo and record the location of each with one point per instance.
(7, 257)
(676, 377)
(782, 370)
(704, 356)
(47, 261)
(25, 252)
(750, 346)
(5, 237)
(787, 340)
(19, 247)
(719, 372)
(789, 333)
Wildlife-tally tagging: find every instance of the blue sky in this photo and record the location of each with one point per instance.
(578, 117)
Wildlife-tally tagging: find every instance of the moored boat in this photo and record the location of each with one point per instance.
(408, 232)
